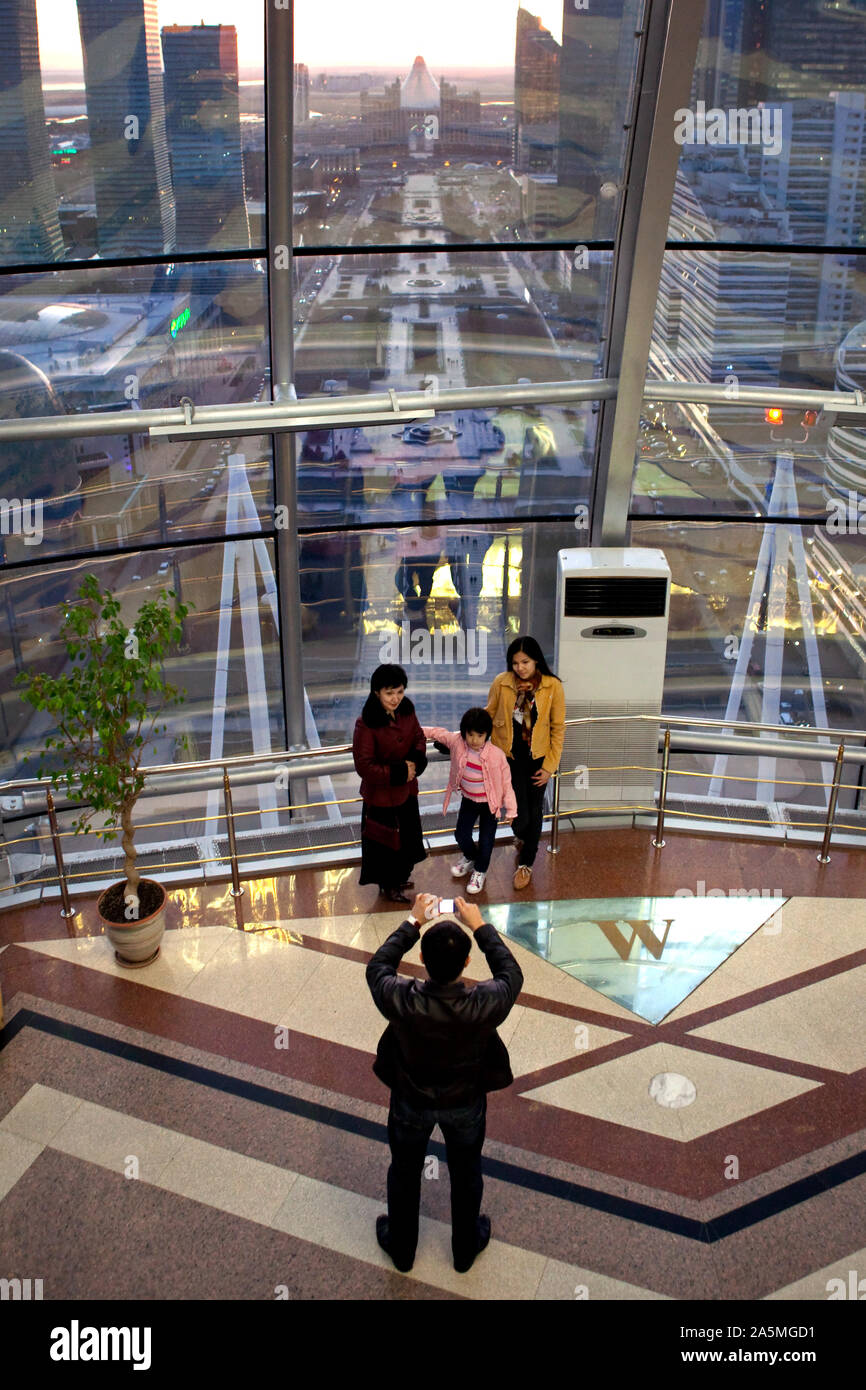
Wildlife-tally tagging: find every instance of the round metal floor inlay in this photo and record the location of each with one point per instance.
(672, 1091)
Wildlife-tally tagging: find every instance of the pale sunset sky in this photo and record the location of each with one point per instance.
(338, 33)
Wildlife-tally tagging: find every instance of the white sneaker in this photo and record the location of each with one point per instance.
(461, 868)
(476, 882)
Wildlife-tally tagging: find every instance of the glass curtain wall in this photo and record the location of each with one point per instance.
(764, 284)
(456, 193)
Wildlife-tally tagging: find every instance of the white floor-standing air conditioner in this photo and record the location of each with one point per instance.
(611, 642)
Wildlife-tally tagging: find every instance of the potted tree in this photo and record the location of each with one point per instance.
(106, 711)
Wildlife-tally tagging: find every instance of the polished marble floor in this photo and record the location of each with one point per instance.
(687, 1118)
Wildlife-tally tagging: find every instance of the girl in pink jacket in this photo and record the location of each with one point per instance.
(479, 771)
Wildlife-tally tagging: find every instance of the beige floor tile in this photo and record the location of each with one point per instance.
(841, 920)
(851, 1270)
(540, 1040)
(228, 1181)
(40, 1114)
(334, 1218)
(726, 982)
(618, 1091)
(183, 955)
(111, 1139)
(569, 1282)
(337, 1005)
(823, 1024)
(255, 976)
(346, 1222)
(16, 1156)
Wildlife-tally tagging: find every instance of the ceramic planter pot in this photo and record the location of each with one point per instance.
(136, 943)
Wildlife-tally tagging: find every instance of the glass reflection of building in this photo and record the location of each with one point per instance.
(204, 135)
(29, 225)
(126, 119)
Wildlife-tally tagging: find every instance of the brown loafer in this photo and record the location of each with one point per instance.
(522, 876)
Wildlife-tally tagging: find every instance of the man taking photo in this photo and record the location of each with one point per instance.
(440, 1055)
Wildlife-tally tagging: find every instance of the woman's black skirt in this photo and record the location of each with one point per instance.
(391, 843)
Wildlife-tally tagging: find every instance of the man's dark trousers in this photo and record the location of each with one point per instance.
(409, 1129)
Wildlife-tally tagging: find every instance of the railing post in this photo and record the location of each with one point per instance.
(658, 842)
(66, 910)
(824, 857)
(553, 847)
(236, 889)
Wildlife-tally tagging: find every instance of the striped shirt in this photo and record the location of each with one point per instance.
(472, 781)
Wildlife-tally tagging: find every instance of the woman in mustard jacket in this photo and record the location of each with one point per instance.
(527, 705)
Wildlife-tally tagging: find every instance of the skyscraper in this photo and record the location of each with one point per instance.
(204, 135)
(29, 225)
(536, 95)
(301, 106)
(801, 48)
(536, 72)
(595, 79)
(126, 117)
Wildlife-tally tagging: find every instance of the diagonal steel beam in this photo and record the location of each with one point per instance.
(672, 30)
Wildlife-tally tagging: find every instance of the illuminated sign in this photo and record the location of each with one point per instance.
(180, 322)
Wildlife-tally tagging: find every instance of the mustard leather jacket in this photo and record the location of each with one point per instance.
(549, 731)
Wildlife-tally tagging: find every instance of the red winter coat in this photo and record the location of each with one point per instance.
(381, 747)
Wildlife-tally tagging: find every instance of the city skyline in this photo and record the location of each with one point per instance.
(339, 38)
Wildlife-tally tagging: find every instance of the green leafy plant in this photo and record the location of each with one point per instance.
(108, 706)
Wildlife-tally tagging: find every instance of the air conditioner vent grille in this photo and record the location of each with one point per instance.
(615, 597)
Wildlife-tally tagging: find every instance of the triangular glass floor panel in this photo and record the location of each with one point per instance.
(647, 954)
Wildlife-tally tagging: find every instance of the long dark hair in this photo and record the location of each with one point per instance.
(530, 648)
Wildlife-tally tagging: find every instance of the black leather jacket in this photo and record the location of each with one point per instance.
(441, 1048)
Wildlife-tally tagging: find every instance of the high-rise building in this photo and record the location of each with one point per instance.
(801, 48)
(204, 135)
(595, 77)
(126, 117)
(536, 95)
(29, 225)
(819, 178)
(536, 72)
(301, 94)
(717, 68)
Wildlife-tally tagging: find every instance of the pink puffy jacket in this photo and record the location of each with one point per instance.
(494, 769)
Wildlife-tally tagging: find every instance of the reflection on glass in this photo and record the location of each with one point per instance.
(100, 342)
(767, 625)
(443, 601)
(435, 322)
(737, 318)
(229, 661)
(773, 145)
(128, 131)
(646, 954)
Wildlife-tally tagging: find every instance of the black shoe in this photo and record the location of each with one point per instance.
(395, 895)
(463, 1266)
(385, 1242)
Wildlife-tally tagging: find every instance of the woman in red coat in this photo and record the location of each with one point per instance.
(389, 751)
